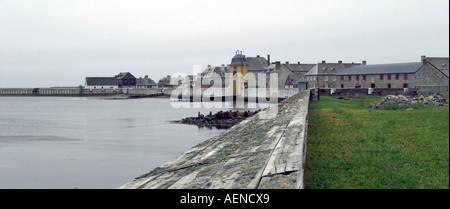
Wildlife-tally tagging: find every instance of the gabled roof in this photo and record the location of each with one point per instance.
(123, 74)
(101, 81)
(395, 68)
(293, 79)
(441, 63)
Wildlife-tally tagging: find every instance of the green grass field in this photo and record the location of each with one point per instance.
(351, 146)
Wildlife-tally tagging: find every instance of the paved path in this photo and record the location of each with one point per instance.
(260, 152)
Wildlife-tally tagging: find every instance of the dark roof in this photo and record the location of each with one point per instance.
(215, 69)
(99, 81)
(411, 67)
(123, 74)
(144, 82)
(256, 63)
(294, 79)
(299, 67)
(238, 59)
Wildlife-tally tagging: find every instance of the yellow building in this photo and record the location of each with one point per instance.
(238, 70)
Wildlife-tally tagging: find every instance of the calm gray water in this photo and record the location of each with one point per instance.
(68, 142)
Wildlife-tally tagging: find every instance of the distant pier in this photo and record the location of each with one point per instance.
(77, 92)
(40, 91)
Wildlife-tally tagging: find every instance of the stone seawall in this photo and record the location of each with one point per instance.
(260, 152)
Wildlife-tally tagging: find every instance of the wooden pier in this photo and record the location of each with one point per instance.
(40, 92)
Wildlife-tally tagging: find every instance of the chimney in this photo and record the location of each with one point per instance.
(424, 59)
(257, 55)
(323, 61)
(277, 65)
(268, 59)
(298, 62)
(340, 61)
(287, 62)
(364, 62)
(209, 66)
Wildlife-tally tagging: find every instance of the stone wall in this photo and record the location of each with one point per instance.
(263, 151)
(427, 75)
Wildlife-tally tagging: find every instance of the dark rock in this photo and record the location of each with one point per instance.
(219, 120)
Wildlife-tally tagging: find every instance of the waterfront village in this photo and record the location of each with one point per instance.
(424, 75)
(267, 148)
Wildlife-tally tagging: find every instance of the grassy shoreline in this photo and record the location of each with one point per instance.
(351, 146)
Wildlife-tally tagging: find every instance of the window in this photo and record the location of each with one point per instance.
(389, 85)
(325, 78)
(349, 77)
(342, 78)
(405, 77)
(389, 77)
(372, 85)
(334, 78)
(381, 77)
(342, 86)
(364, 77)
(397, 76)
(357, 77)
(405, 85)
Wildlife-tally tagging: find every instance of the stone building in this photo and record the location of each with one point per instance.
(290, 75)
(440, 63)
(323, 75)
(397, 75)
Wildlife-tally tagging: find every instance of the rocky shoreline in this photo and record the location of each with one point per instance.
(220, 120)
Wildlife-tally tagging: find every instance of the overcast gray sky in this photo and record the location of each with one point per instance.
(60, 42)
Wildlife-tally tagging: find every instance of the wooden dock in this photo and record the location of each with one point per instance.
(263, 151)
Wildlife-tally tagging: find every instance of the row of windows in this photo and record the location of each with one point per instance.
(389, 77)
(325, 78)
(405, 85)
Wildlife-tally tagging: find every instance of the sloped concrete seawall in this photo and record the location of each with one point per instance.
(260, 152)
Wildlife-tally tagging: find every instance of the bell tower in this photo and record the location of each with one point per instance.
(238, 70)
